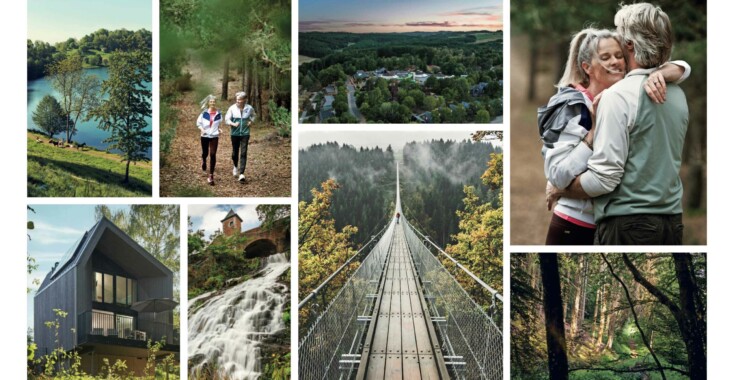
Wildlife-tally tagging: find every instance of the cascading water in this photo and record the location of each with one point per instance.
(226, 331)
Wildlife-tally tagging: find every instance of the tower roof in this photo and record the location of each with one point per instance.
(231, 214)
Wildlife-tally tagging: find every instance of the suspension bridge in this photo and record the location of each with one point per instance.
(401, 314)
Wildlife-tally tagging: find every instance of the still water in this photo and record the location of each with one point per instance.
(87, 131)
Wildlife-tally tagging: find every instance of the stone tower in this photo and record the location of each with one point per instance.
(231, 224)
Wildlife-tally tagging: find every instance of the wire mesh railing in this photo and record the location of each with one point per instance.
(471, 340)
(330, 347)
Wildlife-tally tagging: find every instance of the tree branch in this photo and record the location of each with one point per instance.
(637, 369)
(665, 300)
(634, 314)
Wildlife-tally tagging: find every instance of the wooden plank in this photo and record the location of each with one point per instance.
(377, 356)
(393, 364)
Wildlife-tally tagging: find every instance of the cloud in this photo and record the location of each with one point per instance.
(211, 216)
(444, 24)
(477, 11)
(47, 234)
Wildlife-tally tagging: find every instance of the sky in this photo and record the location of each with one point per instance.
(208, 217)
(56, 229)
(54, 20)
(389, 16)
(371, 139)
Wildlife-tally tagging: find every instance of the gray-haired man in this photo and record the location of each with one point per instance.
(633, 174)
(239, 116)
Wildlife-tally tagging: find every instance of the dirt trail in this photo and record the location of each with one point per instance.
(268, 169)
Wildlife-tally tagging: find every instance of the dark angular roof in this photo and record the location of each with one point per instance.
(230, 214)
(116, 244)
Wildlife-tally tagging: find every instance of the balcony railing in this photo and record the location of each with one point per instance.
(95, 323)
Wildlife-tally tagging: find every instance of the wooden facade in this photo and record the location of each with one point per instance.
(72, 287)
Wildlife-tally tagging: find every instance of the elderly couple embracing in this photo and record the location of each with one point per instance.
(239, 117)
(613, 136)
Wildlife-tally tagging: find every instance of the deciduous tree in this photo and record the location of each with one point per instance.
(128, 105)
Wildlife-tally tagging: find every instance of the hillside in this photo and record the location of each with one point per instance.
(86, 172)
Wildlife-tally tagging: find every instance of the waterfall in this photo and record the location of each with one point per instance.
(226, 331)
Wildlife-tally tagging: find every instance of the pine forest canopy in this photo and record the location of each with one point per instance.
(433, 176)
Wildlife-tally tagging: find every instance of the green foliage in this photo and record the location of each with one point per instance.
(343, 54)
(281, 118)
(49, 116)
(128, 105)
(272, 215)
(56, 172)
(278, 367)
(216, 261)
(78, 91)
(366, 183)
(321, 247)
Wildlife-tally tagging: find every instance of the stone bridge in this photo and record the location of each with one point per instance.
(262, 243)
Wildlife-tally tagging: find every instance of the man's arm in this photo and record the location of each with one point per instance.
(228, 118)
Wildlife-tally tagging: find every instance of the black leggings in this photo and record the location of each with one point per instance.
(239, 152)
(209, 148)
(563, 232)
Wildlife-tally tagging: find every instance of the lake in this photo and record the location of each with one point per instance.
(87, 131)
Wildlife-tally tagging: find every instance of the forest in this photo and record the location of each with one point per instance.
(608, 316)
(207, 48)
(433, 176)
(468, 63)
(469, 226)
(94, 48)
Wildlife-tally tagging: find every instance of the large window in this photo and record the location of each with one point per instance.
(114, 289)
(98, 287)
(109, 289)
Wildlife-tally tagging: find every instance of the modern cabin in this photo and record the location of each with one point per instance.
(117, 296)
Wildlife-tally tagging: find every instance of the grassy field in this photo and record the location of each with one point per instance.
(69, 172)
(304, 59)
(487, 37)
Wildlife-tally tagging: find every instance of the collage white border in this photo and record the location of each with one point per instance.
(13, 274)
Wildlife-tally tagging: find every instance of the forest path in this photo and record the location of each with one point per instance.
(268, 169)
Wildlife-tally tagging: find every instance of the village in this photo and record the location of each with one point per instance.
(324, 106)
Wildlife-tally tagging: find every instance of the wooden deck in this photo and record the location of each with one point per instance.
(401, 343)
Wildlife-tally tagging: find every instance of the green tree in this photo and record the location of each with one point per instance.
(124, 112)
(49, 116)
(482, 116)
(79, 91)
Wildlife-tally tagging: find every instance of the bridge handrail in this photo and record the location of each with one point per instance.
(479, 281)
(346, 263)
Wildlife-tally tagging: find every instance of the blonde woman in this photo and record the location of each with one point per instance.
(208, 123)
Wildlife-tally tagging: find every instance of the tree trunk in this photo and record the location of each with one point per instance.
(225, 79)
(693, 323)
(596, 312)
(554, 328)
(602, 318)
(127, 172)
(584, 284)
(612, 324)
(692, 327)
(244, 72)
(577, 300)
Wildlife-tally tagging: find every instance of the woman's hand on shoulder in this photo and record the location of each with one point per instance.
(655, 87)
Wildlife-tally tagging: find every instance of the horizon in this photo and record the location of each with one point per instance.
(400, 16)
(415, 31)
(47, 19)
(86, 34)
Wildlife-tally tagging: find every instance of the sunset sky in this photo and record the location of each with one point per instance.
(386, 16)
